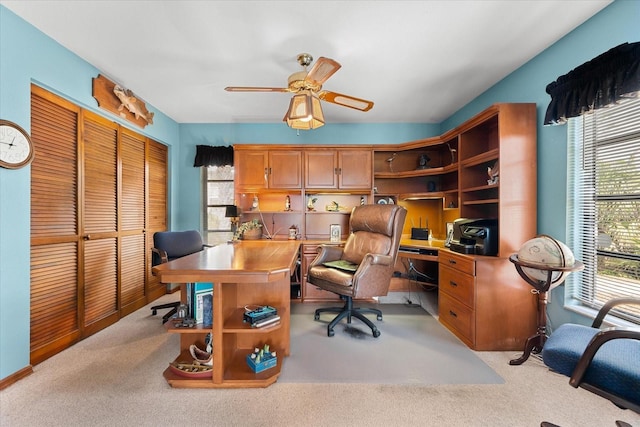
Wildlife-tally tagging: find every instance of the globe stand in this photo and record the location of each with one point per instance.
(535, 342)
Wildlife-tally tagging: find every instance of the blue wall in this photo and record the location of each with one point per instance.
(26, 56)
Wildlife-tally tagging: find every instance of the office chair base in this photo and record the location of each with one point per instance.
(172, 305)
(349, 311)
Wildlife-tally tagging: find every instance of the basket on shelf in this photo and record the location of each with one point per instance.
(253, 234)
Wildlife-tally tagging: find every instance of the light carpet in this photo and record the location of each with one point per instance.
(413, 348)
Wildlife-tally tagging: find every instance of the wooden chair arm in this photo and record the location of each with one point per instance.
(162, 255)
(597, 322)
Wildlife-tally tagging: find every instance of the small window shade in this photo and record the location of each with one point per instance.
(604, 205)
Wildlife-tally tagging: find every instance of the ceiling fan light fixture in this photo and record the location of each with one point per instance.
(305, 111)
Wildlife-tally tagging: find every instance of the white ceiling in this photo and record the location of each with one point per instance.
(418, 61)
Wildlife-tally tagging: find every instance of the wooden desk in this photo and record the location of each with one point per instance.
(244, 273)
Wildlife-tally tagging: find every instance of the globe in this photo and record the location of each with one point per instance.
(546, 252)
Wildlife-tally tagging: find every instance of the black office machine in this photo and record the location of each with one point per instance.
(475, 236)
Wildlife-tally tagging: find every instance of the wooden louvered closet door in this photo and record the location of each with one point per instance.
(98, 221)
(55, 236)
(132, 221)
(89, 211)
(157, 207)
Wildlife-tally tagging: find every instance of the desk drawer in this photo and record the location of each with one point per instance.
(456, 284)
(457, 317)
(460, 262)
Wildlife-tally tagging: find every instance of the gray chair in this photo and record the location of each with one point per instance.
(603, 361)
(372, 249)
(170, 245)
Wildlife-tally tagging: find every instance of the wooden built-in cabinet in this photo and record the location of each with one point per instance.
(274, 169)
(481, 298)
(338, 169)
(438, 180)
(269, 174)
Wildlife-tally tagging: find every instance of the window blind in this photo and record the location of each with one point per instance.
(604, 206)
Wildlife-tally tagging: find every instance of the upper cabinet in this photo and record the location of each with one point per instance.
(350, 169)
(275, 169)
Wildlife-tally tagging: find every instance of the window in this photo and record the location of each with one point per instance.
(218, 194)
(604, 206)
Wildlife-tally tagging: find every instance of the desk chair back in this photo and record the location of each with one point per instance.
(170, 245)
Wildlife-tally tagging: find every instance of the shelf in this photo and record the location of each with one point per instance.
(479, 188)
(198, 329)
(234, 323)
(418, 172)
(270, 212)
(481, 158)
(422, 196)
(347, 212)
(237, 370)
(481, 202)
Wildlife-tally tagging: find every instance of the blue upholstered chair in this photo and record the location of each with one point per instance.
(170, 245)
(603, 361)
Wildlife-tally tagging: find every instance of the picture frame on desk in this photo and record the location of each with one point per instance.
(335, 230)
(447, 242)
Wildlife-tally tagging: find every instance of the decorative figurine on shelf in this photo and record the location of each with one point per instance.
(361, 200)
(494, 174)
(390, 161)
(293, 232)
(255, 205)
(311, 204)
(453, 153)
(287, 203)
(423, 162)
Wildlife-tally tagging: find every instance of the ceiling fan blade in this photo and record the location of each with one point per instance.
(345, 100)
(255, 89)
(322, 70)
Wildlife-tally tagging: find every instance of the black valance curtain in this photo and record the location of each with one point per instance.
(207, 155)
(597, 83)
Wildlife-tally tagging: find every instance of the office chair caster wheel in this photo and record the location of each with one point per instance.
(376, 333)
(316, 317)
(154, 312)
(379, 317)
(330, 332)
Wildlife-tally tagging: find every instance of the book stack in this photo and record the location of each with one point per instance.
(261, 317)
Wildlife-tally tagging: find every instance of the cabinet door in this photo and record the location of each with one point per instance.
(355, 169)
(251, 169)
(321, 169)
(285, 169)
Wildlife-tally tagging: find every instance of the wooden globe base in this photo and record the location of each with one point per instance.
(535, 342)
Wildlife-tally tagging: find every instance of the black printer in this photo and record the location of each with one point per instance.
(475, 236)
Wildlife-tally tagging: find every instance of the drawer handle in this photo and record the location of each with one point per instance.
(452, 313)
(452, 261)
(452, 283)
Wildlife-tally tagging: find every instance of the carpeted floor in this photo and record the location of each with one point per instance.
(114, 378)
(413, 348)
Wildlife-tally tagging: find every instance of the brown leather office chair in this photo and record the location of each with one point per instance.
(372, 249)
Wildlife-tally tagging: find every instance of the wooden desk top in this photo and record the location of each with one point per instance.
(244, 261)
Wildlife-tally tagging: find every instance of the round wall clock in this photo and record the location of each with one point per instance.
(16, 148)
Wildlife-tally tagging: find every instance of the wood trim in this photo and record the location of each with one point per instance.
(15, 377)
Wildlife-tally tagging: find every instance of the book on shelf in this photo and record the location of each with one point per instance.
(201, 303)
(267, 321)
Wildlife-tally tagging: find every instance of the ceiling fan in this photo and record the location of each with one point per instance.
(312, 82)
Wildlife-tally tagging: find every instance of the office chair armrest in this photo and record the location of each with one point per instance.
(597, 322)
(162, 255)
(377, 259)
(594, 345)
(327, 253)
